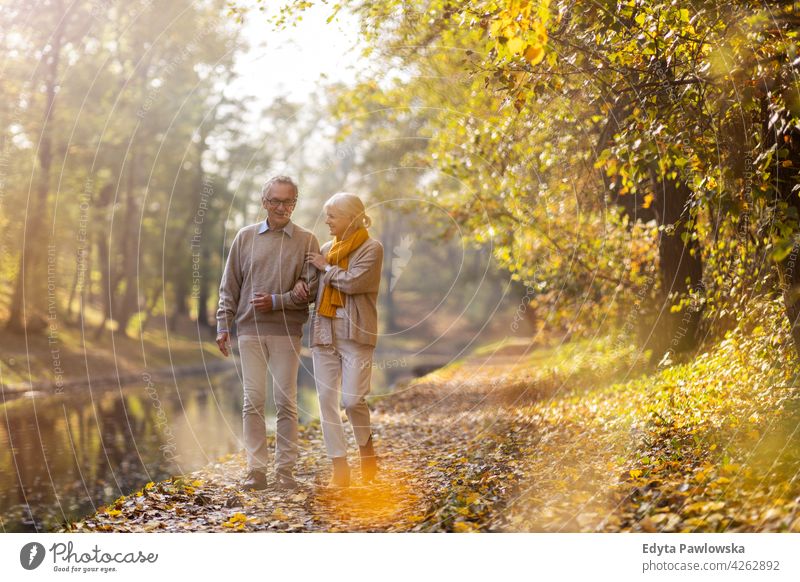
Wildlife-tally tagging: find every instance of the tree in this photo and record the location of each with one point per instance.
(28, 302)
(650, 106)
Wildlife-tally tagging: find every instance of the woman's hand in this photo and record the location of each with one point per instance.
(300, 291)
(317, 260)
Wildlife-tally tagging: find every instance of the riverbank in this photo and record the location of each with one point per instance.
(71, 360)
(577, 437)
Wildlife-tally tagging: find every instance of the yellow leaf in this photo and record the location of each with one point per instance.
(113, 512)
(515, 45)
(659, 517)
(278, 514)
(635, 473)
(795, 527)
(694, 507)
(235, 518)
(647, 525)
(648, 200)
(534, 54)
(463, 527)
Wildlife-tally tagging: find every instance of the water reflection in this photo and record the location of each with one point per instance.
(65, 455)
(62, 456)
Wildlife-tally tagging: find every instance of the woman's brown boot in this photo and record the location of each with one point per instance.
(341, 473)
(369, 463)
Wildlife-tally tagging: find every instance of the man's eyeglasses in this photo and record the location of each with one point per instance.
(288, 204)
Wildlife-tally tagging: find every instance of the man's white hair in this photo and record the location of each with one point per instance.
(279, 180)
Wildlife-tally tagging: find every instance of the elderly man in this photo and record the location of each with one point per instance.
(265, 261)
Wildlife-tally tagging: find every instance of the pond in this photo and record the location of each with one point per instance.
(62, 456)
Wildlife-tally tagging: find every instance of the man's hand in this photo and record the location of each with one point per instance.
(262, 302)
(222, 342)
(300, 291)
(317, 260)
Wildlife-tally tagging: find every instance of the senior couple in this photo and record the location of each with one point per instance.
(275, 269)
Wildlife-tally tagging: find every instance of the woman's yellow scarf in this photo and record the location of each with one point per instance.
(337, 255)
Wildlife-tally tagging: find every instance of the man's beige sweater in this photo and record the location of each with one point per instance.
(262, 260)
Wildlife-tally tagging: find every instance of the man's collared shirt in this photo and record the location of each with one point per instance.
(288, 229)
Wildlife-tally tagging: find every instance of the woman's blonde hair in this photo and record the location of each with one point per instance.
(351, 206)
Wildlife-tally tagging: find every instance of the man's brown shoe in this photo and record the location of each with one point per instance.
(256, 480)
(285, 481)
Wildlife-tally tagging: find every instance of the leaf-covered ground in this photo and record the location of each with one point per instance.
(577, 437)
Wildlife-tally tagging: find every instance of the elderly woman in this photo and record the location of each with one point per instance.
(344, 330)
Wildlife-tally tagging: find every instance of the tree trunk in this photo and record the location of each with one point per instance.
(789, 271)
(85, 285)
(73, 290)
(106, 287)
(388, 240)
(204, 295)
(29, 292)
(107, 278)
(789, 266)
(181, 303)
(129, 304)
(680, 265)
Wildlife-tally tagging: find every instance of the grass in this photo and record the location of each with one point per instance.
(73, 354)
